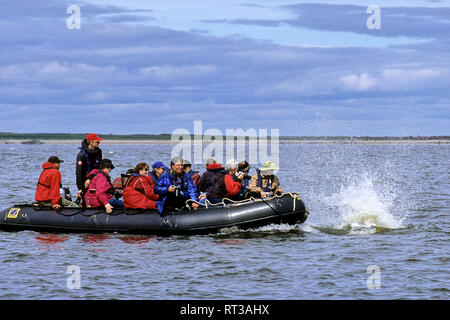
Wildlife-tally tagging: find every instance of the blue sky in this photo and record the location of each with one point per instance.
(303, 67)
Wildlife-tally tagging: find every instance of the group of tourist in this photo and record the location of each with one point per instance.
(162, 188)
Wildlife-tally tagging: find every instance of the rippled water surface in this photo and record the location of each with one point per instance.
(378, 229)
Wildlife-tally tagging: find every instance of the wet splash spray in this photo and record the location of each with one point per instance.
(364, 204)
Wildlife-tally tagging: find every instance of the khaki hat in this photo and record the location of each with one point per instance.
(268, 165)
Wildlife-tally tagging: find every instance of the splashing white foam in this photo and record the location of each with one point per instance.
(362, 204)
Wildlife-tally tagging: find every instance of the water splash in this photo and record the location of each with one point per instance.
(364, 205)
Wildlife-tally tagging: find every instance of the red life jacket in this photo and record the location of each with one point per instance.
(48, 185)
(100, 190)
(138, 193)
(226, 186)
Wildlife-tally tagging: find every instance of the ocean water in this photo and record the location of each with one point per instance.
(378, 229)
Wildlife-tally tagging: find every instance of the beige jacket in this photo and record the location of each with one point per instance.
(254, 188)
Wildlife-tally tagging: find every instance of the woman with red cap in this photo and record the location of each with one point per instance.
(88, 159)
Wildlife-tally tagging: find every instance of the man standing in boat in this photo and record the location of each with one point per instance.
(175, 188)
(88, 159)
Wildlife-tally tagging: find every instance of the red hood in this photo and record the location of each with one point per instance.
(94, 171)
(47, 165)
(214, 166)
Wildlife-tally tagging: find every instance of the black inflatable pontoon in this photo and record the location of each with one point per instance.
(253, 213)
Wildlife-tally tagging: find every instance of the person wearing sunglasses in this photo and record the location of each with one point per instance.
(138, 193)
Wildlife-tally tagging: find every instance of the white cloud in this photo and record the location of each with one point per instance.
(363, 82)
(168, 72)
(54, 72)
(408, 79)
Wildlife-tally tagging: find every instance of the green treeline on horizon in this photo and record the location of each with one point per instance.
(167, 136)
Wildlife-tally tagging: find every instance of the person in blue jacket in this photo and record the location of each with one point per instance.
(175, 187)
(157, 171)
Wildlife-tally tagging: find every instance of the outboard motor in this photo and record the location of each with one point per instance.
(65, 193)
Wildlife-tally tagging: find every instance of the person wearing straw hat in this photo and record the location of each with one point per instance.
(264, 183)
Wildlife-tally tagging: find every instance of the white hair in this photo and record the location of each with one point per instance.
(210, 161)
(231, 164)
(176, 160)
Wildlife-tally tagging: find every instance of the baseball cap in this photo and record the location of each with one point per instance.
(158, 164)
(93, 136)
(106, 163)
(54, 159)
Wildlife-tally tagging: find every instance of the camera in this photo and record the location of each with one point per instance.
(65, 193)
(177, 190)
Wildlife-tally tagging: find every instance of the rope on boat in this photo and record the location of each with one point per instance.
(294, 196)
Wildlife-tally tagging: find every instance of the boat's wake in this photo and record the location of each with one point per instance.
(271, 229)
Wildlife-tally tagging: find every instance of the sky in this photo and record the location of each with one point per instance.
(307, 68)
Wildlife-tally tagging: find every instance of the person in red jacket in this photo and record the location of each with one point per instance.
(49, 184)
(138, 193)
(101, 191)
(227, 184)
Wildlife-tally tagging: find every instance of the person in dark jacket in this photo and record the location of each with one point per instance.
(175, 188)
(209, 177)
(88, 159)
(195, 176)
(49, 184)
(227, 184)
(244, 167)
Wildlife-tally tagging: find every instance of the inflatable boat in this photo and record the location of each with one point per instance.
(252, 213)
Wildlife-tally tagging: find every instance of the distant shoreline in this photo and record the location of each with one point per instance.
(354, 141)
